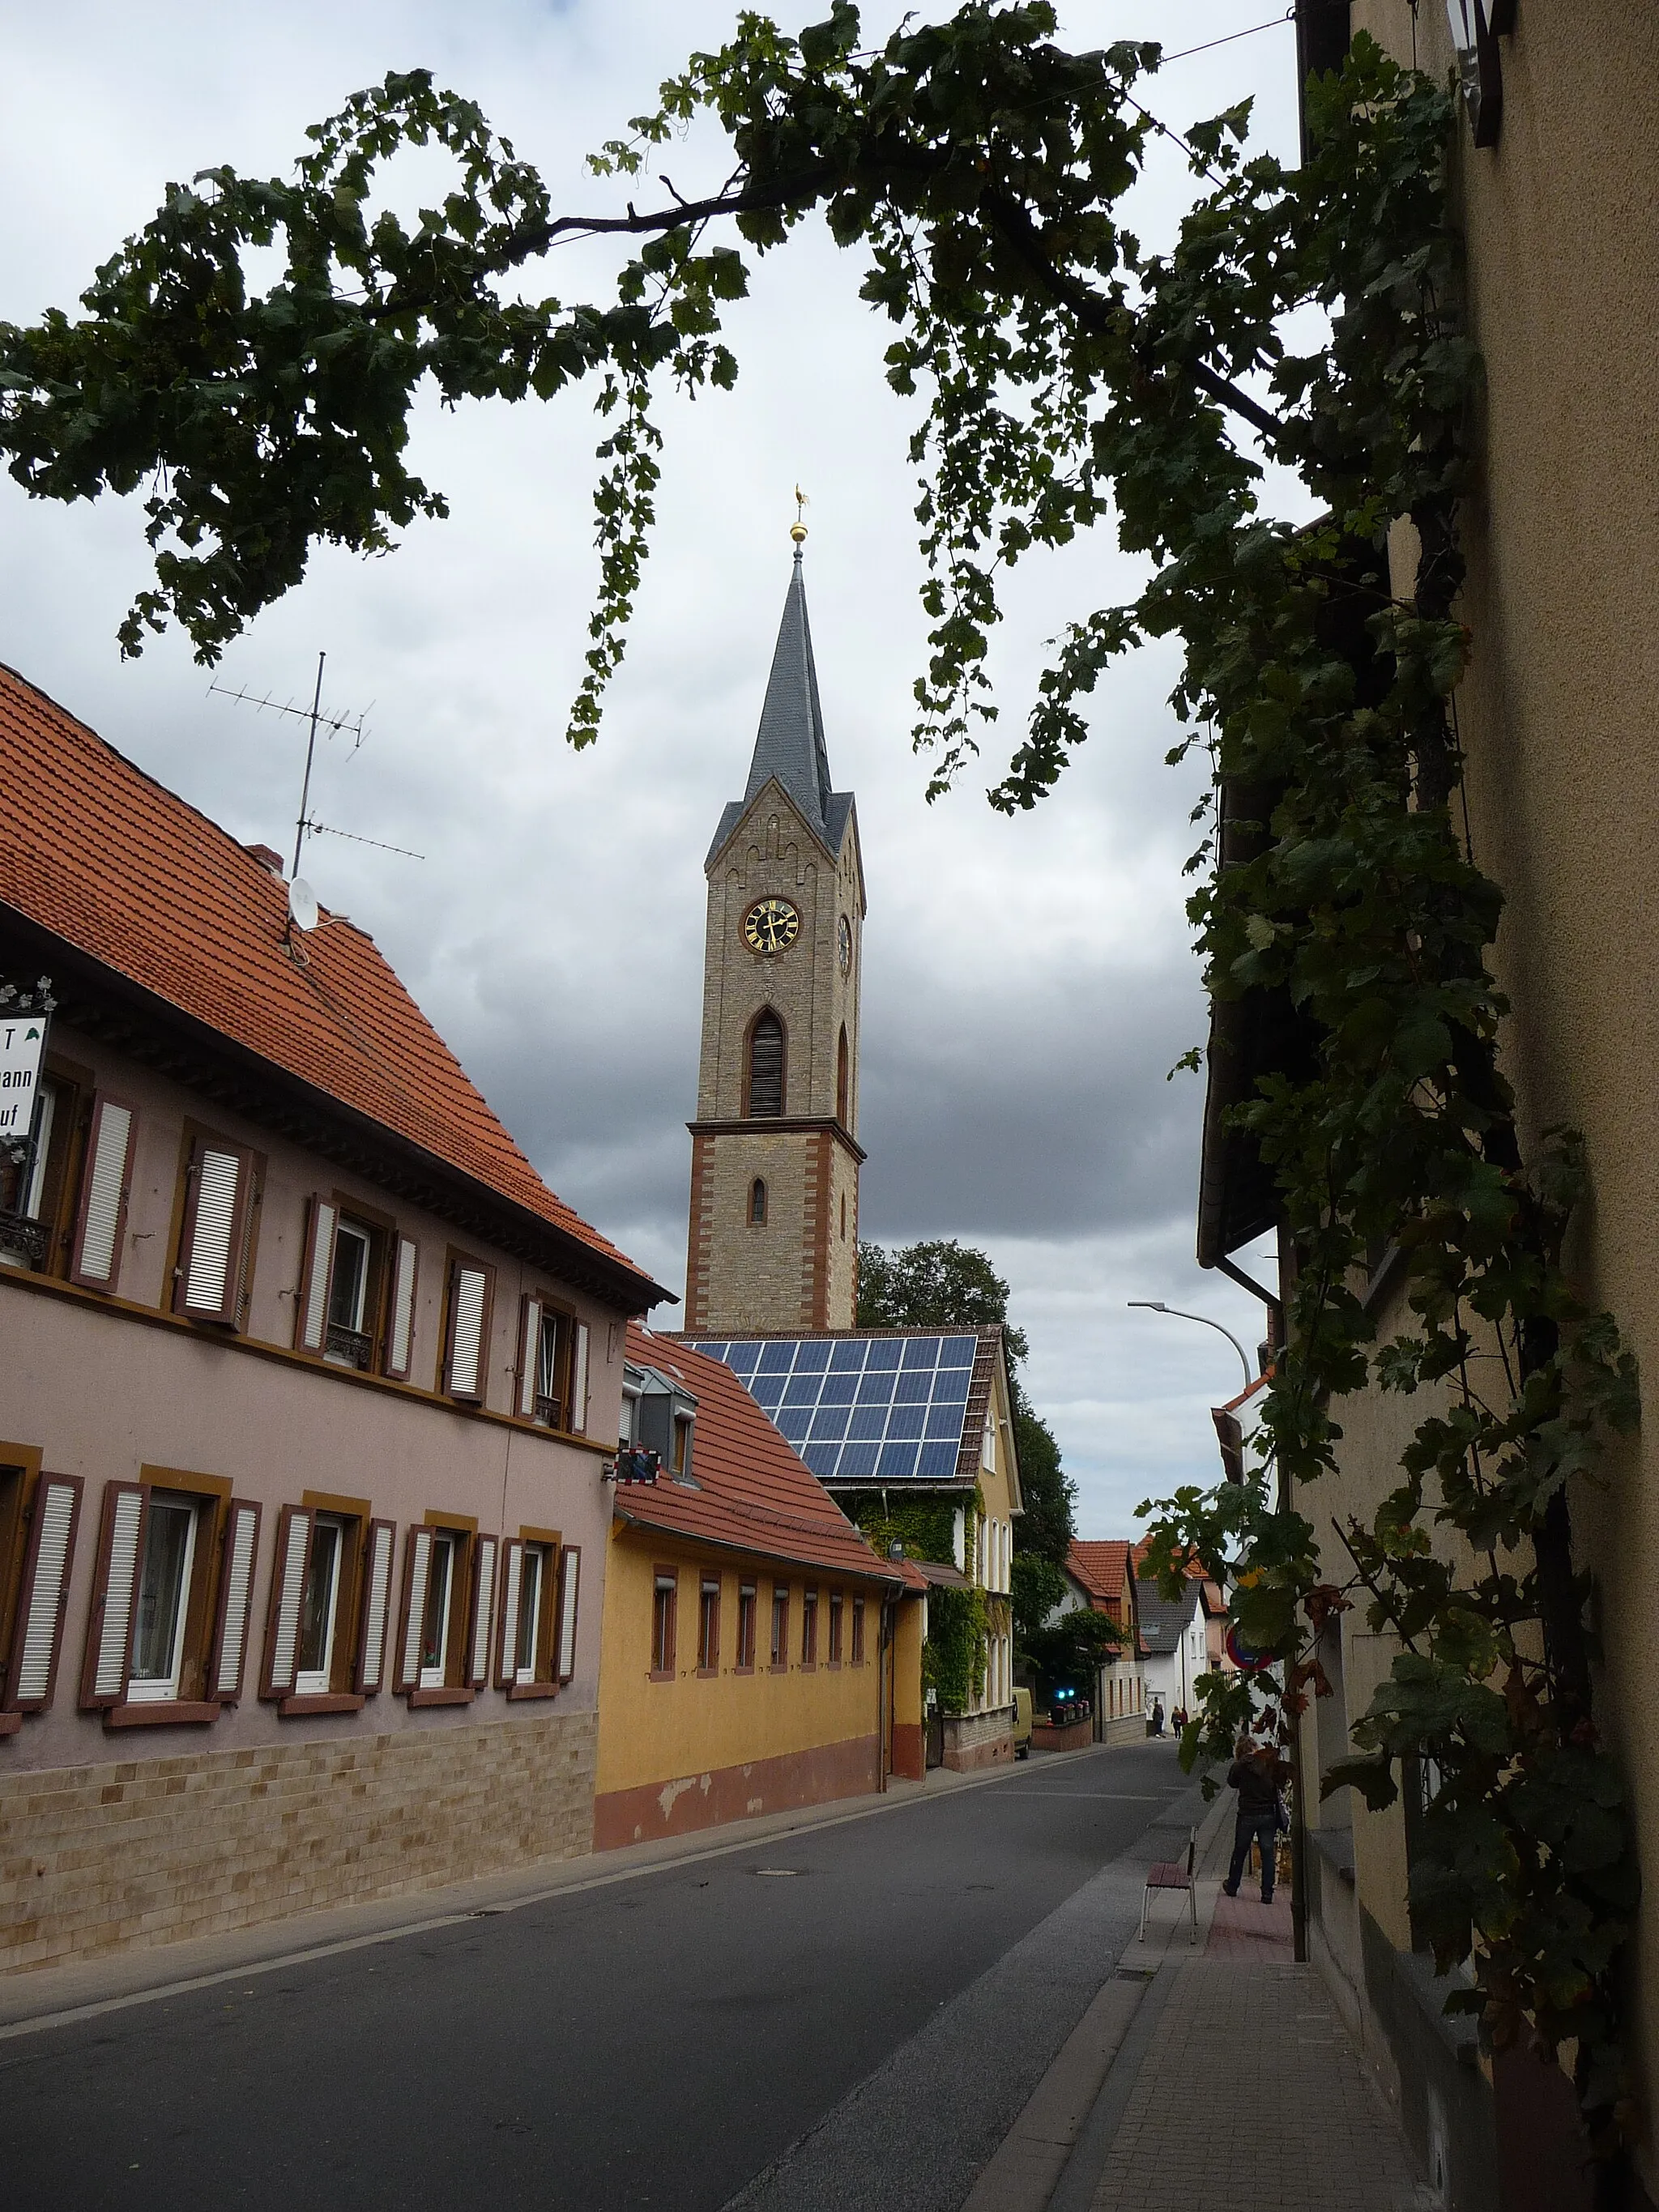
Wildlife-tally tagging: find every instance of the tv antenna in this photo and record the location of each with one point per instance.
(302, 904)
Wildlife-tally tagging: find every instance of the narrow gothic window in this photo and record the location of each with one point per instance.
(840, 1079)
(757, 1200)
(843, 1217)
(766, 1066)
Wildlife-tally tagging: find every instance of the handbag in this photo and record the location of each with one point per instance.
(1281, 1816)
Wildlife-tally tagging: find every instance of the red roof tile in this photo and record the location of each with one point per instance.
(1101, 1568)
(100, 854)
(753, 1494)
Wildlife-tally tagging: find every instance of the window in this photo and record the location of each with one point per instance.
(664, 1600)
(37, 1190)
(213, 1259)
(842, 1079)
(779, 1626)
(449, 1609)
(757, 1201)
(835, 1628)
(684, 1423)
(765, 1085)
(747, 1609)
(547, 1344)
(466, 1330)
(168, 1623)
(708, 1625)
(809, 1627)
(858, 1631)
(843, 1217)
(330, 1587)
(38, 1514)
(352, 1313)
(526, 1664)
(628, 1427)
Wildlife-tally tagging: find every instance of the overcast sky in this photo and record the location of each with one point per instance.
(1028, 983)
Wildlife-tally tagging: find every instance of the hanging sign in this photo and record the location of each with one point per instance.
(22, 1047)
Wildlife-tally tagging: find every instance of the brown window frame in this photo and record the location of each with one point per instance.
(748, 1617)
(455, 1262)
(280, 1676)
(858, 1659)
(708, 1625)
(529, 1402)
(665, 1623)
(779, 1660)
(541, 1679)
(329, 1212)
(60, 1196)
(205, 1627)
(835, 1627)
(458, 1687)
(809, 1628)
(243, 1241)
(39, 1522)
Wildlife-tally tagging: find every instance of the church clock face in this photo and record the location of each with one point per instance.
(771, 925)
(846, 946)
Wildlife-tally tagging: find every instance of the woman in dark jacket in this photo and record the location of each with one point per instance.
(1252, 1774)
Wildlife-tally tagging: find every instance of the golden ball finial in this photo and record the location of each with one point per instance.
(798, 528)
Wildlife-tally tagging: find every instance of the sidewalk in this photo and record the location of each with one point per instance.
(1214, 2072)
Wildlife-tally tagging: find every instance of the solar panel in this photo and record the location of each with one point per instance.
(861, 1408)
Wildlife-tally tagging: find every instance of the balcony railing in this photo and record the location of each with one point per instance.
(348, 1347)
(25, 1240)
(547, 1412)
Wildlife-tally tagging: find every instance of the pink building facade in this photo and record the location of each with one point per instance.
(307, 1387)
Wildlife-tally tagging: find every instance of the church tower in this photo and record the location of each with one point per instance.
(775, 1155)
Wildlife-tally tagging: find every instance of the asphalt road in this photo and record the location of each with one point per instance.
(656, 2042)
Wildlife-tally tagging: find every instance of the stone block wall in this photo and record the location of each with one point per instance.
(100, 1857)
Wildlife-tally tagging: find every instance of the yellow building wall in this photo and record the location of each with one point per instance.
(697, 1750)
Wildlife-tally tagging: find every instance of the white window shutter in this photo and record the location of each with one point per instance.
(209, 1264)
(578, 1419)
(417, 1565)
(570, 1568)
(530, 1356)
(401, 1345)
(466, 1343)
(109, 1628)
(235, 1600)
(318, 1267)
(288, 1583)
(507, 1662)
(377, 1597)
(97, 1258)
(483, 1610)
(44, 1595)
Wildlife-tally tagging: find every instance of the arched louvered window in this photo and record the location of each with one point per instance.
(842, 1058)
(757, 1201)
(766, 1066)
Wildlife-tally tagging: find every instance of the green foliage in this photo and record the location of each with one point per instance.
(1071, 1652)
(925, 1526)
(937, 1284)
(954, 1657)
(1045, 1529)
(1035, 1587)
(1065, 377)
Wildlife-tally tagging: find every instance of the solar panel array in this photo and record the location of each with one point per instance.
(880, 1408)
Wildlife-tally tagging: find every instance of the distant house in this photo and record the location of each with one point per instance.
(911, 1432)
(309, 1385)
(750, 1630)
(1184, 1637)
(1100, 1578)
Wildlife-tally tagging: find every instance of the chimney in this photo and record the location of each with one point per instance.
(267, 859)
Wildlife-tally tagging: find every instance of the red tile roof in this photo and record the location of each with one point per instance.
(753, 1494)
(98, 853)
(1101, 1568)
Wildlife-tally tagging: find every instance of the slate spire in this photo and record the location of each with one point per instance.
(790, 743)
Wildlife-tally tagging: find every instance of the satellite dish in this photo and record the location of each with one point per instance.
(302, 903)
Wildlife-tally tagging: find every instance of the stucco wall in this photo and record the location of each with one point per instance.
(666, 1737)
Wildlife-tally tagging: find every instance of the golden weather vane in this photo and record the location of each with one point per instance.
(798, 528)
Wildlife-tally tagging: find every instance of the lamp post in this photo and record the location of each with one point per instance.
(1157, 1306)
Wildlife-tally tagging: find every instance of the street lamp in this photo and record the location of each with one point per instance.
(1157, 1306)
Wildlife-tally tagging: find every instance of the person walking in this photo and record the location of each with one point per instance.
(1257, 1821)
(1158, 1717)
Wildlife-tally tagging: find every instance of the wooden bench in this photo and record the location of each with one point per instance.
(1176, 1875)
